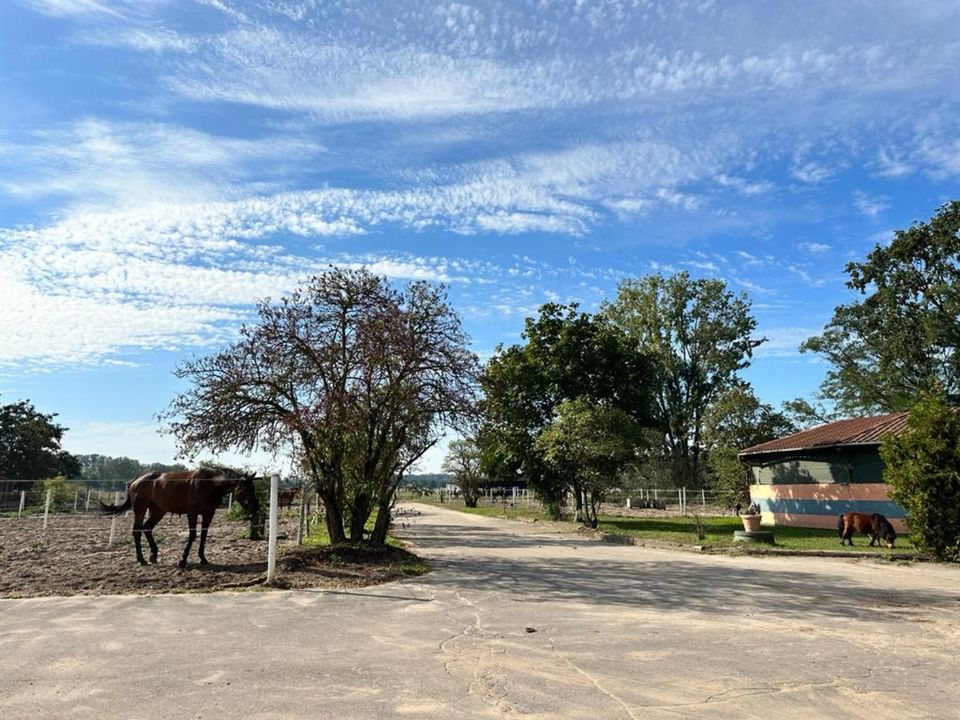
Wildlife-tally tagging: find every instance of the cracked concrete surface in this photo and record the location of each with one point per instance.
(618, 632)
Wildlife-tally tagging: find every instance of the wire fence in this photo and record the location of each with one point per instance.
(637, 501)
(72, 509)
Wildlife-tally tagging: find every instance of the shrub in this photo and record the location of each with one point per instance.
(923, 467)
(62, 492)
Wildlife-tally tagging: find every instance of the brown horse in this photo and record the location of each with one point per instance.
(876, 526)
(196, 493)
(285, 497)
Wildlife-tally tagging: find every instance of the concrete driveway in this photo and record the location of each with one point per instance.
(511, 622)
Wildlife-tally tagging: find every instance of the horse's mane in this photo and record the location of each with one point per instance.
(209, 473)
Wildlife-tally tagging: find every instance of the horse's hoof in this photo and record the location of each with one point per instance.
(182, 564)
(204, 561)
(142, 561)
(153, 558)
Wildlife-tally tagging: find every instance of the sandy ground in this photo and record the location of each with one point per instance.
(73, 557)
(513, 621)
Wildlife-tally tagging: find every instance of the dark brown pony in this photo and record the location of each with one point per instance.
(876, 526)
(195, 493)
(285, 497)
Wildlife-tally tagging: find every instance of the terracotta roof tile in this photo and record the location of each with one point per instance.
(856, 431)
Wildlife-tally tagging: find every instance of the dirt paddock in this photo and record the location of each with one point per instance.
(73, 557)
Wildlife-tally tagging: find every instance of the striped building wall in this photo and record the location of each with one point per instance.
(817, 505)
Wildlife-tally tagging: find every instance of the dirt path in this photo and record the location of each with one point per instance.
(512, 621)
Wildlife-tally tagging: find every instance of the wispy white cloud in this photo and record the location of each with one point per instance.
(67, 8)
(811, 172)
(869, 206)
(783, 341)
(94, 161)
(814, 247)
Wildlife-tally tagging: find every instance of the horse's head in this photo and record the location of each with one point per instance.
(889, 536)
(246, 495)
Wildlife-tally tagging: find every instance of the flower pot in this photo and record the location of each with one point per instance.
(751, 523)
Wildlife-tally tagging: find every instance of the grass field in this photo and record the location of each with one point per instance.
(681, 530)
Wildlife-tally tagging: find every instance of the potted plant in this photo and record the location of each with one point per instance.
(751, 518)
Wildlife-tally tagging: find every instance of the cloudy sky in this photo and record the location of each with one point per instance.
(164, 163)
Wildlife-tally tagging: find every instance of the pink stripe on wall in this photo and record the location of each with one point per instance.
(825, 491)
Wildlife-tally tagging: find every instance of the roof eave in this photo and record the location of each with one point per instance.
(784, 451)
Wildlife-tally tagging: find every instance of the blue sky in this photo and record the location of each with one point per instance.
(163, 164)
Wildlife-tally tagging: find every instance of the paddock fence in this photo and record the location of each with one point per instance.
(70, 510)
(636, 501)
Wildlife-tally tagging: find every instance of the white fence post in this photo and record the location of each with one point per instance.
(703, 498)
(76, 499)
(272, 542)
(113, 523)
(86, 505)
(23, 500)
(680, 500)
(229, 502)
(46, 510)
(303, 516)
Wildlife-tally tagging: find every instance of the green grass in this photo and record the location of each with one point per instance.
(719, 533)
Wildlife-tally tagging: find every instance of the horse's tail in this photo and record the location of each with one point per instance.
(116, 509)
(840, 525)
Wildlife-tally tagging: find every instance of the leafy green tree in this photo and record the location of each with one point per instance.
(357, 378)
(734, 421)
(699, 336)
(104, 467)
(464, 466)
(903, 335)
(804, 414)
(566, 355)
(589, 445)
(30, 444)
(923, 467)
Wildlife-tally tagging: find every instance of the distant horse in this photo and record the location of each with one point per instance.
(286, 496)
(876, 526)
(194, 493)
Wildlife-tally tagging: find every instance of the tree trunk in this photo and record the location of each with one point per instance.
(334, 520)
(379, 534)
(578, 501)
(359, 514)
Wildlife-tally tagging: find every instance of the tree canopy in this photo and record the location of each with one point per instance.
(699, 336)
(105, 467)
(463, 464)
(734, 421)
(589, 445)
(30, 444)
(359, 378)
(902, 336)
(566, 355)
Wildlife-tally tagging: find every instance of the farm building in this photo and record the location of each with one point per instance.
(808, 478)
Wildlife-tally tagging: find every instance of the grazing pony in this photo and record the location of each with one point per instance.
(876, 526)
(194, 493)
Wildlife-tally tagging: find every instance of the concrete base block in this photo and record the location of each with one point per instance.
(759, 536)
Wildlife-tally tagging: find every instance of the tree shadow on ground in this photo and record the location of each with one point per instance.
(711, 588)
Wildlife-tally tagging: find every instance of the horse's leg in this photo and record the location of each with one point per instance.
(205, 525)
(192, 522)
(137, 531)
(156, 514)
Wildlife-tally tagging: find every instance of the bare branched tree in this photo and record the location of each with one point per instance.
(357, 378)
